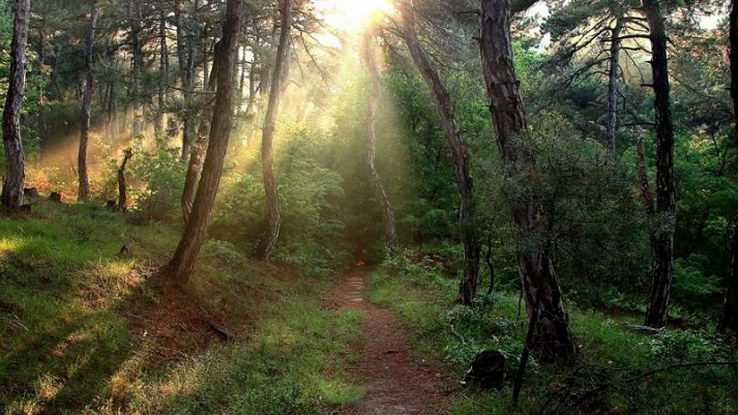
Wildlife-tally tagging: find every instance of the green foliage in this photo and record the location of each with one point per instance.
(224, 251)
(158, 182)
(310, 193)
(610, 354)
(69, 309)
(691, 285)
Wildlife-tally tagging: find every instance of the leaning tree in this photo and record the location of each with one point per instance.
(540, 283)
(185, 257)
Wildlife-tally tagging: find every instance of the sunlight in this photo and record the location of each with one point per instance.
(352, 15)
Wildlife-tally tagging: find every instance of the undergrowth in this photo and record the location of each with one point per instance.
(607, 375)
(84, 328)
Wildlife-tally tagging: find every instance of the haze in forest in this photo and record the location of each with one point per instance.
(369, 207)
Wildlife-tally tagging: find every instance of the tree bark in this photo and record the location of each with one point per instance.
(273, 216)
(462, 168)
(612, 87)
(186, 52)
(163, 76)
(490, 268)
(204, 53)
(122, 187)
(665, 215)
(12, 193)
(242, 81)
(729, 319)
(646, 195)
(134, 15)
(194, 169)
(539, 280)
(197, 154)
(86, 114)
(183, 71)
(390, 228)
(185, 257)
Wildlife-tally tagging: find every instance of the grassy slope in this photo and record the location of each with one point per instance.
(84, 329)
(610, 353)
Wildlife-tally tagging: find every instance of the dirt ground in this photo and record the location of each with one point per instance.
(395, 382)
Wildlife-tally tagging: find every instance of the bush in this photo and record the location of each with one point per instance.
(157, 183)
(309, 193)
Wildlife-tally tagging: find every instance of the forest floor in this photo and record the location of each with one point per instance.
(89, 328)
(396, 382)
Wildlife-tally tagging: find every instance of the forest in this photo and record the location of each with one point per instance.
(364, 207)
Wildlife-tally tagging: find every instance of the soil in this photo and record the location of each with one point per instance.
(396, 382)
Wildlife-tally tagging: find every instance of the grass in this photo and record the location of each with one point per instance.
(86, 329)
(610, 353)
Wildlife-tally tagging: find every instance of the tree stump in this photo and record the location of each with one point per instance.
(488, 370)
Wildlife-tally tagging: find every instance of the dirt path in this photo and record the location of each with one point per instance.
(395, 383)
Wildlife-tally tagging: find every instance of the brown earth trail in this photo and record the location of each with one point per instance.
(395, 382)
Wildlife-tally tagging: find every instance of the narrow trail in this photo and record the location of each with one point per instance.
(395, 382)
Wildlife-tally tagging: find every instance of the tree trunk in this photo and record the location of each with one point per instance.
(253, 89)
(446, 108)
(729, 319)
(390, 229)
(273, 216)
(197, 154)
(612, 88)
(112, 116)
(539, 280)
(205, 53)
(194, 169)
(665, 215)
(186, 55)
(646, 195)
(185, 257)
(134, 10)
(242, 81)
(163, 78)
(84, 129)
(12, 193)
(252, 77)
(122, 188)
(490, 268)
(183, 70)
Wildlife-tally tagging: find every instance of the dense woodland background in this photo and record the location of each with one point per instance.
(220, 162)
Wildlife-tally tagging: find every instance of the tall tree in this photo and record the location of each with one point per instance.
(729, 319)
(273, 216)
(612, 85)
(186, 61)
(591, 37)
(665, 214)
(12, 193)
(375, 88)
(163, 75)
(135, 16)
(447, 109)
(539, 281)
(86, 114)
(197, 154)
(185, 257)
